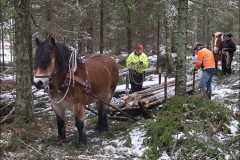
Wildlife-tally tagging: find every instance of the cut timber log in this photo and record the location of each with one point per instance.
(154, 103)
(124, 72)
(119, 118)
(148, 92)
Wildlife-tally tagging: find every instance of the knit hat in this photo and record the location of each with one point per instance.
(199, 44)
(229, 35)
(139, 47)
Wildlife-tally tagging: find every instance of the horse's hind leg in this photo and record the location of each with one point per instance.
(102, 124)
(103, 109)
(79, 120)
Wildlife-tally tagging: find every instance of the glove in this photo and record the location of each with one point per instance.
(140, 62)
(194, 70)
(225, 49)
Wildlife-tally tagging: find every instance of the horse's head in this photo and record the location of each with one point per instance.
(217, 38)
(50, 58)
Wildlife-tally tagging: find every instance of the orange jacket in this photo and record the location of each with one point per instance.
(205, 57)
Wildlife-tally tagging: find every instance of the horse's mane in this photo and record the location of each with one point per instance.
(43, 55)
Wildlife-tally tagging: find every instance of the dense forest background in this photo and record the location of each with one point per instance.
(121, 24)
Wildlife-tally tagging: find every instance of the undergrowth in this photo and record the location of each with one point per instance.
(188, 128)
(38, 139)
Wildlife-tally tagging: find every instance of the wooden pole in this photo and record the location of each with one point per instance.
(159, 75)
(113, 107)
(127, 83)
(165, 88)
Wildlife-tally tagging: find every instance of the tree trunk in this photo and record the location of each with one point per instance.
(168, 47)
(129, 45)
(24, 97)
(158, 50)
(90, 26)
(180, 89)
(101, 27)
(3, 48)
(49, 18)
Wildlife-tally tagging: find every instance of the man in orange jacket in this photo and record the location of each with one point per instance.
(205, 60)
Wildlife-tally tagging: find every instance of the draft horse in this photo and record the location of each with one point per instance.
(94, 75)
(217, 39)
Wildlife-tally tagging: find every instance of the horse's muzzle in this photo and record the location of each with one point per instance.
(39, 85)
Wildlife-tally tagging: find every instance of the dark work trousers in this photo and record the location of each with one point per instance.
(136, 80)
(226, 68)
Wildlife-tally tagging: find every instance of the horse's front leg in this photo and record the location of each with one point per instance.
(79, 120)
(59, 111)
(61, 128)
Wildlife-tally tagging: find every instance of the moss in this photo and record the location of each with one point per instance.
(186, 115)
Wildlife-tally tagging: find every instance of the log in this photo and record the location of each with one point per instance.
(124, 72)
(154, 103)
(120, 118)
(127, 98)
(149, 91)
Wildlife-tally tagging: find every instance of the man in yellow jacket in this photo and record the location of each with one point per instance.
(137, 62)
(205, 60)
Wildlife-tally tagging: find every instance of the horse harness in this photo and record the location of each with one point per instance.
(72, 68)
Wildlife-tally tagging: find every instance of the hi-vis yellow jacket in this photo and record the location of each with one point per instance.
(205, 57)
(135, 58)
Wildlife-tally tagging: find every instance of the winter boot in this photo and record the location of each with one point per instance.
(200, 94)
(209, 94)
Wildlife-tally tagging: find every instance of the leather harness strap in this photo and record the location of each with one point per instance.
(77, 79)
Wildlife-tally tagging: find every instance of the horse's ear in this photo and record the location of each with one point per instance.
(38, 42)
(52, 42)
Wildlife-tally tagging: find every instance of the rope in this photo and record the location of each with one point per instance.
(72, 67)
(227, 57)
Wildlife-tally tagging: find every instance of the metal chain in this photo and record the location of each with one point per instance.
(132, 78)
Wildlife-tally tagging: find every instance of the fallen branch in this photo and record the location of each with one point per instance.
(9, 114)
(9, 103)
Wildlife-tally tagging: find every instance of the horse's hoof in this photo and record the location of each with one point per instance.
(81, 144)
(101, 129)
(62, 138)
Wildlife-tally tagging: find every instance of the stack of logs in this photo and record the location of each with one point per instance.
(146, 101)
(8, 107)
